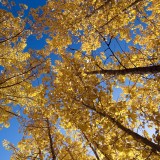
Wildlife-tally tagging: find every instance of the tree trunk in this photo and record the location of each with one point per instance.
(50, 141)
(94, 150)
(136, 136)
(137, 70)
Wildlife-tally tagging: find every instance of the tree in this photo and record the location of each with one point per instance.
(117, 48)
(19, 68)
(43, 140)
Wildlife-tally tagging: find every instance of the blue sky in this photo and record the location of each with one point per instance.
(11, 134)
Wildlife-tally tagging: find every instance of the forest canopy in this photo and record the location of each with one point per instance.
(91, 91)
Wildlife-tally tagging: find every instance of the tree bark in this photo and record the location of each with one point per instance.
(51, 141)
(137, 70)
(94, 150)
(136, 136)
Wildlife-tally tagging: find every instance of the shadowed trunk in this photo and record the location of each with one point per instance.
(51, 141)
(137, 70)
(94, 150)
(136, 136)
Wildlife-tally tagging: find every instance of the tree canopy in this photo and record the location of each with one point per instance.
(99, 100)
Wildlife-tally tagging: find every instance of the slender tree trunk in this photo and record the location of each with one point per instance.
(137, 70)
(136, 136)
(40, 154)
(94, 151)
(51, 141)
(101, 150)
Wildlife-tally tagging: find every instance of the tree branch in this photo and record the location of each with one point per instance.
(136, 136)
(137, 70)
(50, 141)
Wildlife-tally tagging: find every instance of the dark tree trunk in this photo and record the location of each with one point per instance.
(51, 142)
(136, 136)
(137, 70)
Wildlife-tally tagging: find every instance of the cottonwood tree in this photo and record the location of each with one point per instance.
(44, 139)
(90, 77)
(18, 68)
(118, 49)
(87, 103)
